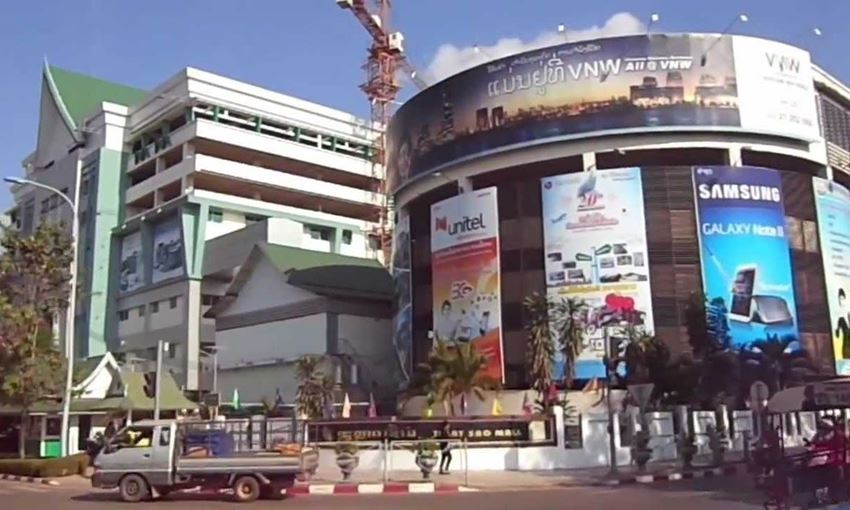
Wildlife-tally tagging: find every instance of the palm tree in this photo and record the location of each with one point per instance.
(568, 329)
(540, 350)
(456, 371)
(314, 387)
(776, 362)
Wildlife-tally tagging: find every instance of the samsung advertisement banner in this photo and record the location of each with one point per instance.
(402, 320)
(167, 250)
(619, 84)
(132, 267)
(832, 202)
(594, 233)
(746, 263)
(465, 274)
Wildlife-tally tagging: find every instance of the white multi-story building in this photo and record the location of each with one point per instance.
(166, 171)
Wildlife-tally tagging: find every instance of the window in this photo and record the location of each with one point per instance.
(216, 215)
(173, 303)
(346, 236)
(141, 311)
(123, 315)
(250, 219)
(164, 436)
(375, 243)
(318, 232)
(209, 300)
(154, 307)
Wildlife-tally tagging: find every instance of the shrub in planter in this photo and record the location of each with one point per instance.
(641, 452)
(347, 459)
(427, 456)
(686, 446)
(718, 444)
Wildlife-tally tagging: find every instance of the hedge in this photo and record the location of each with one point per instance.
(46, 468)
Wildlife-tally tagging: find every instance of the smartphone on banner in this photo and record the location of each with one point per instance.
(741, 305)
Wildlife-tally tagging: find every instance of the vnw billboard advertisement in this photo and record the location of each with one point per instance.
(465, 274)
(832, 202)
(746, 262)
(594, 231)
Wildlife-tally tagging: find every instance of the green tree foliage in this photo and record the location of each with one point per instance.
(553, 325)
(314, 386)
(34, 286)
(452, 371)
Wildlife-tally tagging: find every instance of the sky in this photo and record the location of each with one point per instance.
(313, 50)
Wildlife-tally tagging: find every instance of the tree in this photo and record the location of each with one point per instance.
(777, 362)
(540, 350)
(566, 316)
(314, 387)
(34, 285)
(455, 370)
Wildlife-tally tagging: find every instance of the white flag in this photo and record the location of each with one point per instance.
(346, 407)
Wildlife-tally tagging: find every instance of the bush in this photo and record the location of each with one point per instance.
(46, 468)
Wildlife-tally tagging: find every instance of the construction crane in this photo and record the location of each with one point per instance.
(385, 63)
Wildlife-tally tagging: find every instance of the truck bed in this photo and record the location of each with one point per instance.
(261, 462)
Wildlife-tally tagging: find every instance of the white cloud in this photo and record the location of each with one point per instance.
(449, 59)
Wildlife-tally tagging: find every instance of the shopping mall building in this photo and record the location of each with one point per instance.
(628, 173)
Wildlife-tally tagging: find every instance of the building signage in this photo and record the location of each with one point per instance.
(466, 274)
(594, 234)
(832, 202)
(132, 265)
(402, 320)
(745, 256)
(167, 250)
(619, 84)
(502, 430)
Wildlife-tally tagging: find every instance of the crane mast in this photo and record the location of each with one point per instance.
(383, 66)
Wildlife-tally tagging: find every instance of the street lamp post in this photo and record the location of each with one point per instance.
(70, 321)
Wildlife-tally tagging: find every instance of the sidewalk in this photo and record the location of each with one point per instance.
(513, 480)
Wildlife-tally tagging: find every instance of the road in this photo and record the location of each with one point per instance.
(708, 494)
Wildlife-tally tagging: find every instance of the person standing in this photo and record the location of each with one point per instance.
(445, 449)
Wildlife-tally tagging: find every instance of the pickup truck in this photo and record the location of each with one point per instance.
(151, 458)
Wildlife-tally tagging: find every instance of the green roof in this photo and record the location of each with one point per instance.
(287, 258)
(82, 95)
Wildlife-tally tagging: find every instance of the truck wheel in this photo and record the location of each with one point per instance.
(246, 489)
(133, 488)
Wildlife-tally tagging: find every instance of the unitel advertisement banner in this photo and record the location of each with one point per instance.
(402, 320)
(746, 262)
(466, 274)
(638, 83)
(832, 202)
(594, 233)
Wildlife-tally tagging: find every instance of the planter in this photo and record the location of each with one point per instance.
(687, 453)
(426, 461)
(347, 462)
(641, 458)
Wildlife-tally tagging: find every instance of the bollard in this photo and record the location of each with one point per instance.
(385, 445)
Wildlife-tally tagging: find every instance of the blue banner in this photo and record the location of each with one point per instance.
(746, 262)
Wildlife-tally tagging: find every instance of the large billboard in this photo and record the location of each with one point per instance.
(167, 251)
(832, 202)
(594, 234)
(402, 320)
(744, 251)
(621, 84)
(465, 274)
(132, 266)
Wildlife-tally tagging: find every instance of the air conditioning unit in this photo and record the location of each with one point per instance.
(397, 41)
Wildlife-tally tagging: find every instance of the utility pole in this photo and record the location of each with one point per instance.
(612, 444)
(160, 347)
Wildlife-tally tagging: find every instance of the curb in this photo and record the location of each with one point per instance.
(673, 477)
(374, 488)
(29, 479)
